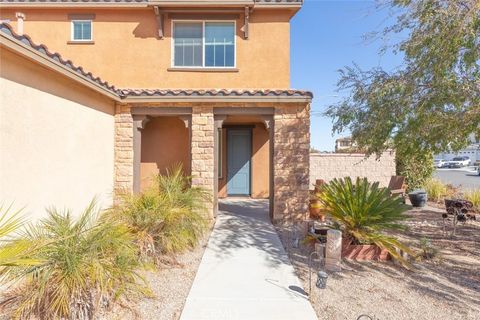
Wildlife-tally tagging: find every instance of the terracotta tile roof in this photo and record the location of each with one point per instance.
(279, 1)
(73, 1)
(126, 92)
(215, 92)
(26, 40)
(132, 1)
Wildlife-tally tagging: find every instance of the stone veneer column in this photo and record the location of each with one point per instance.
(123, 181)
(203, 156)
(291, 163)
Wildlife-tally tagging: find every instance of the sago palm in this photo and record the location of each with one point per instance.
(365, 211)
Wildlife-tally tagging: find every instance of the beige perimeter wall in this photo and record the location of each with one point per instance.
(328, 166)
(56, 140)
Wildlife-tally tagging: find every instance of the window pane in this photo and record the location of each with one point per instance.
(219, 44)
(87, 30)
(187, 44)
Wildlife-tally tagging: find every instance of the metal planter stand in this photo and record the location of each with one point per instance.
(322, 276)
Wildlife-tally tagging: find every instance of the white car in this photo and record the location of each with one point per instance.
(459, 162)
(440, 163)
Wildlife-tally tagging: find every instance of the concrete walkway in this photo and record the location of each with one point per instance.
(245, 273)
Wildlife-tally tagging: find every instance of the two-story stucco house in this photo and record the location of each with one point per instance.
(97, 96)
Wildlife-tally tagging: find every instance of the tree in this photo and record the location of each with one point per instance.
(432, 102)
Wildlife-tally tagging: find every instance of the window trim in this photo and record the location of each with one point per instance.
(72, 38)
(172, 45)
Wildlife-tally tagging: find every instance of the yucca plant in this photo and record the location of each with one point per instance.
(364, 212)
(436, 190)
(167, 218)
(13, 251)
(87, 263)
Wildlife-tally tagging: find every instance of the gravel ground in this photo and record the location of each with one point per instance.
(170, 285)
(446, 287)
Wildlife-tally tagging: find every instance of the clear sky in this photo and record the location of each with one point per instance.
(325, 37)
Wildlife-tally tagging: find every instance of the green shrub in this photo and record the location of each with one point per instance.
(428, 251)
(436, 190)
(417, 168)
(87, 263)
(364, 211)
(167, 218)
(474, 197)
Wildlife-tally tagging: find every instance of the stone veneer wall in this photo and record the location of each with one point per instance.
(123, 180)
(327, 166)
(291, 162)
(203, 149)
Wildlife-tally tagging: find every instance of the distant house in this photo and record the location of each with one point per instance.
(345, 144)
(153, 83)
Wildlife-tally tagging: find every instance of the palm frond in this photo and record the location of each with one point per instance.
(86, 261)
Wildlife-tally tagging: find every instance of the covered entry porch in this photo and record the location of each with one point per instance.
(254, 144)
(242, 148)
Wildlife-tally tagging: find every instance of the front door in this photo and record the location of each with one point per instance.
(239, 158)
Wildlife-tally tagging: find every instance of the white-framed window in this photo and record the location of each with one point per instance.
(82, 30)
(198, 44)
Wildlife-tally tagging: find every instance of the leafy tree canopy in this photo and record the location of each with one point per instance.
(432, 102)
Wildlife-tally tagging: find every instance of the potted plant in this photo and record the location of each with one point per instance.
(363, 212)
(316, 210)
(418, 198)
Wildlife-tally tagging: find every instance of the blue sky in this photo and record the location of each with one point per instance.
(325, 37)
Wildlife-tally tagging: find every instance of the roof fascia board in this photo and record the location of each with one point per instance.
(92, 5)
(159, 99)
(171, 4)
(280, 5)
(51, 64)
(197, 4)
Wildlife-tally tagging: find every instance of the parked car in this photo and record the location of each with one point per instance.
(440, 163)
(459, 162)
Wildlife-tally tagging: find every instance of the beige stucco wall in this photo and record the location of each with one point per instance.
(56, 140)
(128, 53)
(165, 143)
(327, 166)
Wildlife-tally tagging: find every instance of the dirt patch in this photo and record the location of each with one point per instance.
(170, 285)
(446, 287)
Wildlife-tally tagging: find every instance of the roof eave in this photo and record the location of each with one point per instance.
(32, 54)
(13, 5)
(169, 3)
(223, 99)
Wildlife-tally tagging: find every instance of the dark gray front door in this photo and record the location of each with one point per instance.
(239, 158)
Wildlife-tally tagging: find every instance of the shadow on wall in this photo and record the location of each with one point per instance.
(246, 224)
(165, 143)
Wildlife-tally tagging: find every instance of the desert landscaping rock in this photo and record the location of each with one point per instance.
(444, 288)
